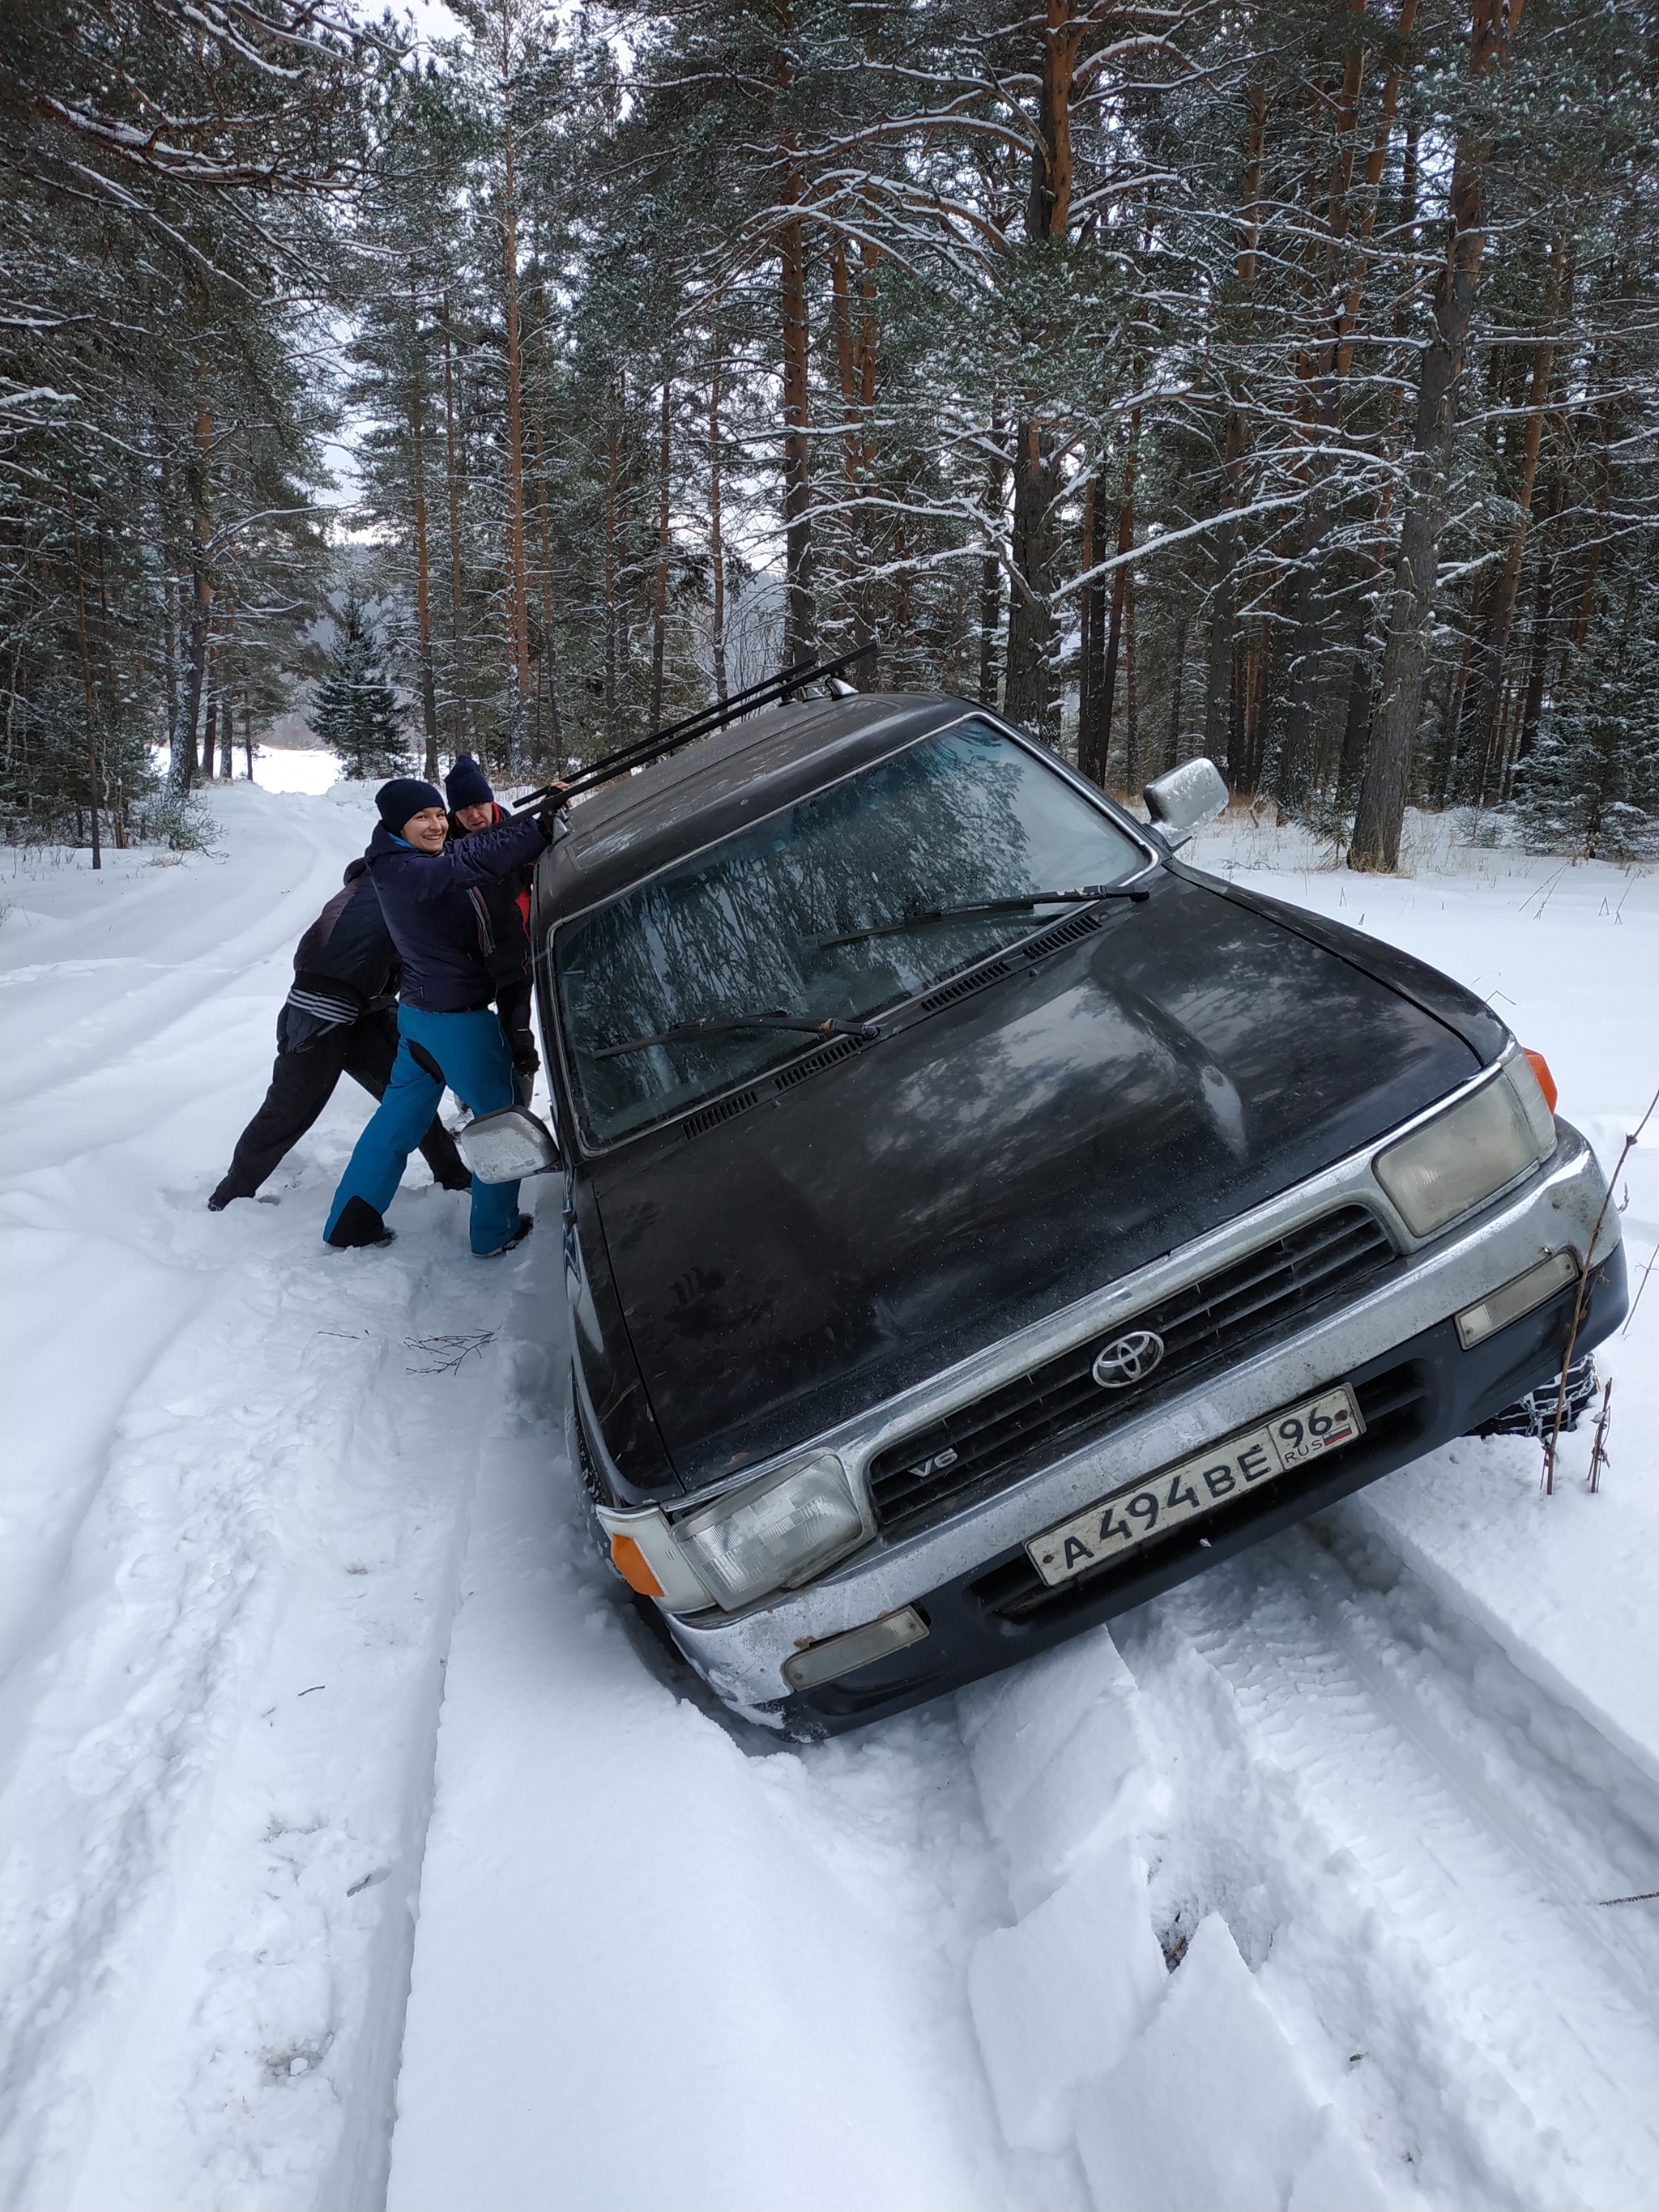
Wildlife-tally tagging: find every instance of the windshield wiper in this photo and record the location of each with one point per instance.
(714, 1025)
(918, 916)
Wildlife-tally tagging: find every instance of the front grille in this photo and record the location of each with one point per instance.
(999, 1436)
(1395, 1404)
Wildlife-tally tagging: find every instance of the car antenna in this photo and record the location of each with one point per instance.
(663, 742)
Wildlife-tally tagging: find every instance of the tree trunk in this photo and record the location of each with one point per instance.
(181, 773)
(659, 602)
(1031, 692)
(801, 633)
(1492, 663)
(1132, 769)
(1538, 644)
(716, 541)
(990, 571)
(517, 596)
(855, 362)
(422, 557)
(612, 513)
(1126, 539)
(94, 779)
(1094, 735)
(1219, 720)
(1172, 748)
(1382, 807)
(1310, 605)
(453, 483)
(549, 656)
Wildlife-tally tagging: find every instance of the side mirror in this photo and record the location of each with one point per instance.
(1185, 799)
(507, 1145)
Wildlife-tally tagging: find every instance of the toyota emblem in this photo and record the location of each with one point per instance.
(1128, 1359)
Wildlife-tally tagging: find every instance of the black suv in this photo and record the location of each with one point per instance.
(977, 1220)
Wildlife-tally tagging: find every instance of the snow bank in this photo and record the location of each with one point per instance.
(1178, 2092)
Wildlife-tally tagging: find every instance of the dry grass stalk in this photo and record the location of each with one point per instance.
(1553, 1440)
(1599, 1456)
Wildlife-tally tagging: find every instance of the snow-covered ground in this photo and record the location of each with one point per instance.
(360, 1849)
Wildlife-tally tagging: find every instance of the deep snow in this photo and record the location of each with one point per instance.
(360, 1847)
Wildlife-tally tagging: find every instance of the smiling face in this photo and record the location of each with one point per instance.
(476, 817)
(426, 830)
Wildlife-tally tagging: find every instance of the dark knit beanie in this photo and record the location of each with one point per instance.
(406, 795)
(466, 785)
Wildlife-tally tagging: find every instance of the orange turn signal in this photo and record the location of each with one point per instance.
(632, 1566)
(1540, 1068)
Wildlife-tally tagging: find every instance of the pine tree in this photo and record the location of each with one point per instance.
(356, 712)
(1592, 785)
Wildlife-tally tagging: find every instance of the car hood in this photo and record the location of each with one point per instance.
(922, 1197)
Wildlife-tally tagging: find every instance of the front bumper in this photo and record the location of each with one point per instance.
(1395, 1345)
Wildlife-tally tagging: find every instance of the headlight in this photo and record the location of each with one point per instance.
(776, 1532)
(1475, 1148)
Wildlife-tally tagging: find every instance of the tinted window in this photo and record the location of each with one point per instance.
(969, 815)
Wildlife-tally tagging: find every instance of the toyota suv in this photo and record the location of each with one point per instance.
(978, 1219)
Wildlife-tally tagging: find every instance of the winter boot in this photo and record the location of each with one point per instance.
(526, 1223)
(222, 1197)
(455, 1182)
(359, 1224)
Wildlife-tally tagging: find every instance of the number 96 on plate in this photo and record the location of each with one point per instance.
(1237, 1464)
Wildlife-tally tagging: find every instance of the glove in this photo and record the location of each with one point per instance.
(522, 1046)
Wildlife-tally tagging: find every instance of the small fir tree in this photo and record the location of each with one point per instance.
(1592, 786)
(356, 712)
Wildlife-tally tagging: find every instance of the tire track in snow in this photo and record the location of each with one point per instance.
(211, 1862)
(1408, 1835)
(207, 1895)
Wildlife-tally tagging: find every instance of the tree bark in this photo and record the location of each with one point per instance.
(990, 571)
(1382, 808)
(716, 541)
(1538, 643)
(181, 773)
(452, 484)
(1031, 691)
(94, 793)
(1492, 659)
(1126, 539)
(518, 597)
(612, 532)
(801, 633)
(659, 598)
(422, 557)
(1091, 624)
(1219, 720)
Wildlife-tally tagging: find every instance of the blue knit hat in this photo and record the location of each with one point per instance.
(466, 785)
(404, 796)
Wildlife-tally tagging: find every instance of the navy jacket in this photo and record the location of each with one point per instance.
(434, 923)
(504, 917)
(345, 966)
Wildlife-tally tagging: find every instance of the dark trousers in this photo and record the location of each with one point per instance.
(302, 1083)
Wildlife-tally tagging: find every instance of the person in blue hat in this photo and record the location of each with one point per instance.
(448, 1031)
(503, 916)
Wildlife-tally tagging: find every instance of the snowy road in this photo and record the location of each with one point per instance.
(359, 1848)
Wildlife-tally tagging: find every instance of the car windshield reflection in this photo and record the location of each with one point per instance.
(796, 912)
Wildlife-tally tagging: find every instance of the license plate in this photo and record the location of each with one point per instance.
(1239, 1463)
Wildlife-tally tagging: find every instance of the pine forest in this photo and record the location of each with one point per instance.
(1273, 379)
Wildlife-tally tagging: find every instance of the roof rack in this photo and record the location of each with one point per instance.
(661, 743)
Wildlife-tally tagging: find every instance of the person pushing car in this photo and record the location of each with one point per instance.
(448, 1030)
(340, 1018)
(502, 906)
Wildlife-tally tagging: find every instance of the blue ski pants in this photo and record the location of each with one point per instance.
(469, 1052)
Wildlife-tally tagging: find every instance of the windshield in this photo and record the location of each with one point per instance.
(963, 816)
